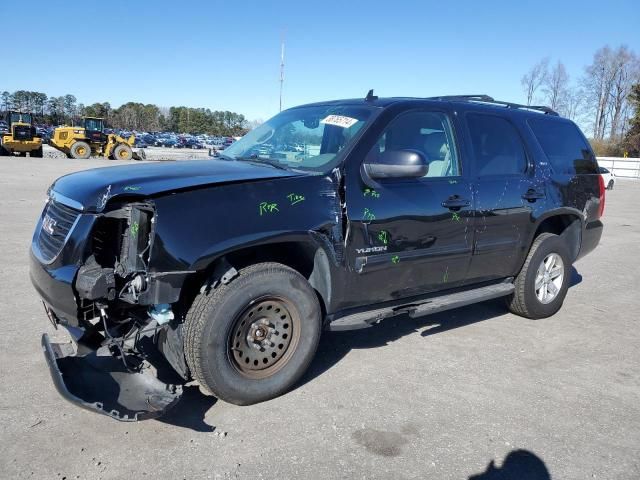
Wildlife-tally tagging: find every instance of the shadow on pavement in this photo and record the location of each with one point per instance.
(190, 411)
(336, 345)
(518, 465)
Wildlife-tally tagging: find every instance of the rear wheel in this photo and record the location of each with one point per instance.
(36, 153)
(80, 150)
(3, 151)
(122, 152)
(251, 339)
(542, 284)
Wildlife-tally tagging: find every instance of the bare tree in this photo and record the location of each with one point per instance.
(625, 70)
(556, 86)
(598, 84)
(574, 103)
(534, 78)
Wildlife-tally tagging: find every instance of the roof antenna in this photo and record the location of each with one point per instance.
(370, 96)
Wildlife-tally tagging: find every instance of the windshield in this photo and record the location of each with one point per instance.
(306, 138)
(93, 124)
(21, 118)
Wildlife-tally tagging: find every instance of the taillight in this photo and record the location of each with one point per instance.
(602, 190)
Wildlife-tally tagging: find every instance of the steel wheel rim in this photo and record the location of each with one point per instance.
(549, 278)
(264, 337)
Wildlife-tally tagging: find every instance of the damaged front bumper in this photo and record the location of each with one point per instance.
(102, 383)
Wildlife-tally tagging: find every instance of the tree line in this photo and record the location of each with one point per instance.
(130, 116)
(605, 99)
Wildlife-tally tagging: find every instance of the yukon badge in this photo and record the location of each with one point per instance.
(372, 249)
(48, 224)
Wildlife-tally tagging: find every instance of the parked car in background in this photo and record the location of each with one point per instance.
(140, 143)
(608, 177)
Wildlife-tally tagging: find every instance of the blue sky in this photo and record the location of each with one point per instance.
(225, 55)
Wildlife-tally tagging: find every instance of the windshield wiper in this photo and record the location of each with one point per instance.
(267, 161)
(224, 156)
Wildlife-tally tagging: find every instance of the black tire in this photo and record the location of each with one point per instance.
(122, 152)
(3, 151)
(213, 324)
(80, 150)
(524, 301)
(36, 153)
(610, 185)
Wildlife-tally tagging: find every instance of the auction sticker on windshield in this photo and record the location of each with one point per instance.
(339, 121)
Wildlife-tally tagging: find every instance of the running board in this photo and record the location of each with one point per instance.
(434, 305)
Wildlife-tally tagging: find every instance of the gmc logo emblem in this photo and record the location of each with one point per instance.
(48, 224)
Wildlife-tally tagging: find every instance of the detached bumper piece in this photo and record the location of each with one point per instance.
(101, 383)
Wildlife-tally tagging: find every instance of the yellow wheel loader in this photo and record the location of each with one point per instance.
(90, 139)
(21, 137)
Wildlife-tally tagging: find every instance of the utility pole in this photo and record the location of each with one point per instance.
(281, 70)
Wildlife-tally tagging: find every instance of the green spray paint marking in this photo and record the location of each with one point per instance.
(383, 236)
(266, 207)
(395, 259)
(455, 217)
(131, 188)
(368, 215)
(295, 198)
(446, 276)
(370, 192)
(134, 229)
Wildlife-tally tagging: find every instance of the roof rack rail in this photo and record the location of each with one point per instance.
(492, 101)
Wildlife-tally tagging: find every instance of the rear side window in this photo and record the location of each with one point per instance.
(564, 146)
(497, 146)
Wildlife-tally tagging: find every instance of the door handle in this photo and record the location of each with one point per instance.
(532, 195)
(455, 202)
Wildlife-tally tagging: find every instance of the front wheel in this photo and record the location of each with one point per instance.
(122, 152)
(80, 150)
(252, 339)
(610, 185)
(542, 284)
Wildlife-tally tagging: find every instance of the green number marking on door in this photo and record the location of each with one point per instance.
(370, 192)
(368, 215)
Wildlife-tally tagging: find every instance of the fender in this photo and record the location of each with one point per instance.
(572, 233)
(324, 268)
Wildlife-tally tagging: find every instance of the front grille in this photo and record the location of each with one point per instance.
(56, 224)
(22, 132)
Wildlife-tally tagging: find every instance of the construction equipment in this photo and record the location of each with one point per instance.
(21, 137)
(90, 139)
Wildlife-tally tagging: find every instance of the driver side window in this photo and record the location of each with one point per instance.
(428, 133)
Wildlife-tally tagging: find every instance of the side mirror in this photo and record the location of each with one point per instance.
(397, 164)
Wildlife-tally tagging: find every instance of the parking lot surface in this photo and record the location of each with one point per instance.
(440, 397)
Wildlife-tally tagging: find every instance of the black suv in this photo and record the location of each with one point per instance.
(227, 270)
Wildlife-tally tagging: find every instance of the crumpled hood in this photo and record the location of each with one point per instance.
(93, 188)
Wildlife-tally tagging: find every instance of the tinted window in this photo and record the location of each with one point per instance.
(564, 146)
(426, 132)
(497, 146)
